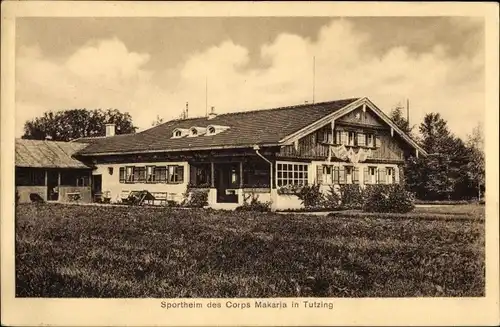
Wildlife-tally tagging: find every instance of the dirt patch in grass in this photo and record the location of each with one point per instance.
(82, 251)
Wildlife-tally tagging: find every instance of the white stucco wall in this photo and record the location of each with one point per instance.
(112, 183)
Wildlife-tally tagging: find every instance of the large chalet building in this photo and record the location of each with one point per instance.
(261, 152)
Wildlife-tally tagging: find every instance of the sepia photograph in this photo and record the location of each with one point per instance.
(250, 159)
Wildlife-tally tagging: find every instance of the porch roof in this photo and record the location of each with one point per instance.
(48, 154)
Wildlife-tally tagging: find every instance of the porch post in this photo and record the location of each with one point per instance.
(58, 178)
(241, 174)
(212, 182)
(46, 178)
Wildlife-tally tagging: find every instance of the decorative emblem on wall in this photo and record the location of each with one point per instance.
(341, 152)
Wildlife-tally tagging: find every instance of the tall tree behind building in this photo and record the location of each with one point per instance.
(67, 125)
(443, 173)
(397, 116)
(475, 166)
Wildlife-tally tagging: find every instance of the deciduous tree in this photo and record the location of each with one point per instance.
(66, 125)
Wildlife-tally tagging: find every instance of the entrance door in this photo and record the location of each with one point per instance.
(227, 181)
(96, 186)
(52, 185)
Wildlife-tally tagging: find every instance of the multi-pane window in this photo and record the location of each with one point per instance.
(140, 174)
(370, 140)
(75, 178)
(371, 175)
(351, 140)
(361, 139)
(151, 174)
(291, 174)
(30, 177)
(175, 174)
(160, 174)
(389, 175)
(129, 174)
(122, 175)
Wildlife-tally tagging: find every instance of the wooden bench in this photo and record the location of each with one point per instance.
(162, 197)
(124, 194)
(73, 196)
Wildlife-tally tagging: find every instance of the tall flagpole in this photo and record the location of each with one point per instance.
(408, 111)
(206, 96)
(314, 76)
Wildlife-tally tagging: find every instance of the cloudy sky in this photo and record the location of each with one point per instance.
(153, 66)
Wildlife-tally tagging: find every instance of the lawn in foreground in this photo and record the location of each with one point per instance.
(87, 251)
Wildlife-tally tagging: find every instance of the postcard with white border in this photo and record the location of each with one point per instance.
(249, 163)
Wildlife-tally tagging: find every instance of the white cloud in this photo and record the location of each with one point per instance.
(107, 74)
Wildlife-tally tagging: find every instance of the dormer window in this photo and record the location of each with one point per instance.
(196, 131)
(216, 129)
(179, 132)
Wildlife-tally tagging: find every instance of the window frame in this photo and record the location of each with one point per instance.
(291, 173)
(150, 174)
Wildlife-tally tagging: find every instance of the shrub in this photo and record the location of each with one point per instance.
(254, 204)
(388, 198)
(17, 197)
(311, 196)
(351, 196)
(195, 198)
(332, 200)
(36, 198)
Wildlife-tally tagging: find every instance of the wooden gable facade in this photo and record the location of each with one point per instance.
(359, 128)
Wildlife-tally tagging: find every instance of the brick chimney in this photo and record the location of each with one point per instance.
(110, 130)
(212, 113)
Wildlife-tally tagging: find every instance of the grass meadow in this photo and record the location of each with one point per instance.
(98, 251)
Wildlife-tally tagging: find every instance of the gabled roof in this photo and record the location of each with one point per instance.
(258, 127)
(262, 127)
(47, 154)
(365, 103)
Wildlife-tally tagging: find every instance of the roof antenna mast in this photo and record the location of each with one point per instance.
(408, 111)
(314, 76)
(206, 96)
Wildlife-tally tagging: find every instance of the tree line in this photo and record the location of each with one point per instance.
(453, 170)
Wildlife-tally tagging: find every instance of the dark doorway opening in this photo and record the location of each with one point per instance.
(227, 182)
(97, 187)
(52, 185)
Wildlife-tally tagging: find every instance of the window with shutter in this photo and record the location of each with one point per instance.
(373, 175)
(161, 174)
(369, 140)
(319, 174)
(361, 139)
(130, 174)
(377, 142)
(341, 175)
(327, 174)
(122, 177)
(344, 138)
(140, 174)
(338, 137)
(382, 174)
(150, 175)
(351, 138)
(389, 175)
(335, 175)
(349, 172)
(365, 175)
(355, 175)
